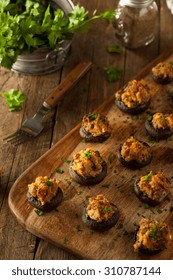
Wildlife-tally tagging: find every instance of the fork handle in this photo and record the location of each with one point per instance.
(67, 84)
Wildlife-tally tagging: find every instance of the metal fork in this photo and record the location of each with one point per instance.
(32, 127)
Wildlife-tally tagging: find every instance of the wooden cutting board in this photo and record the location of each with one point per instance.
(64, 227)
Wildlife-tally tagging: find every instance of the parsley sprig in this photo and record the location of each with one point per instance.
(14, 99)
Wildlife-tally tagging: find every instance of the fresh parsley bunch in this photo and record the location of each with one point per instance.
(26, 25)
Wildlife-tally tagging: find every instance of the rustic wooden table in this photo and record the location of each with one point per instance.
(91, 91)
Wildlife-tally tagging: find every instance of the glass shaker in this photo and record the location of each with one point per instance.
(135, 22)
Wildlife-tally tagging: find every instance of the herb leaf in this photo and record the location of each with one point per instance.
(14, 99)
(114, 49)
(148, 176)
(113, 73)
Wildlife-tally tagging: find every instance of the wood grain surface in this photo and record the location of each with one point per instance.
(64, 227)
(92, 90)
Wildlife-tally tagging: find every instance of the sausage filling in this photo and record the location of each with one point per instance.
(100, 209)
(156, 186)
(44, 189)
(163, 70)
(162, 121)
(88, 163)
(132, 149)
(134, 94)
(96, 124)
(152, 235)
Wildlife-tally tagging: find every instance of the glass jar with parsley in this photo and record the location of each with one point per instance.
(135, 22)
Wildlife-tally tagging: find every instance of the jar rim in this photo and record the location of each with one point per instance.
(136, 3)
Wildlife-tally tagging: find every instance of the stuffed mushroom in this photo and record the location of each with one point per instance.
(152, 188)
(160, 125)
(95, 128)
(45, 193)
(100, 214)
(162, 73)
(134, 153)
(88, 167)
(134, 98)
(152, 236)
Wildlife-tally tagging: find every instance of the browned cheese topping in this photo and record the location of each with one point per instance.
(44, 188)
(100, 209)
(132, 149)
(87, 163)
(162, 121)
(152, 235)
(134, 94)
(163, 70)
(96, 124)
(156, 186)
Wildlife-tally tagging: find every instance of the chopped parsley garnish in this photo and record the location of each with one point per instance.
(88, 196)
(88, 155)
(92, 117)
(148, 176)
(65, 241)
(67, 161)
(78, 228)
(120, 226)
(114, 49)
(109, 159)
(49, 183)
(150, 118)
(147, 206)
(105, 186)
(59, 171)
(113, 73)
(39, 212)
(106, 209)
(153, 232)
(159, 211)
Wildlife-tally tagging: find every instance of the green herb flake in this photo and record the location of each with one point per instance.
(110, 159)
(88, 155)
(39, 212)
(78, 228)
(120, 226)
(49, 183)
(153, 232)
(59, 171)
(106, 209)
(67, 161)
(65, 241)
(150, 118)
(148, 176)
(159, 211)
(113, 73)
(83, 140)
(114, 49)
(147, 206)
(106, 186)
(87, 197)
(116, 237)
(14, 99)
(92, 117)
